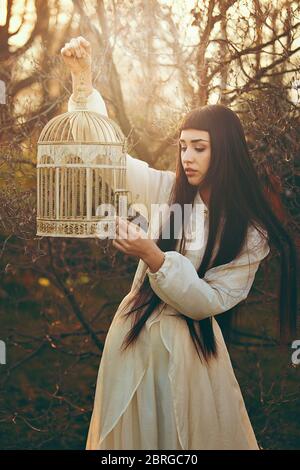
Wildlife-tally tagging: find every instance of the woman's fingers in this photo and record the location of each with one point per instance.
(66, 51)
(121, 229)
(75, 44)
(84, 43)
(119, 246)
(127, 235)
(77, 48)
(128, 230)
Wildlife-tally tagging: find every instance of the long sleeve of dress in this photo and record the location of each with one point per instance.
(147, 185)
(177, 282)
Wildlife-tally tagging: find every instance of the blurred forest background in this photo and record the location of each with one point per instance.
(153, 60)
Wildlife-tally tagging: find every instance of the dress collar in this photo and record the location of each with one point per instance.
(200, 201)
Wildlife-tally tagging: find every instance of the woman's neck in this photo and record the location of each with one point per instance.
(205, 195)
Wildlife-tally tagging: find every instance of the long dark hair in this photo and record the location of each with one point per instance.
(238, 198)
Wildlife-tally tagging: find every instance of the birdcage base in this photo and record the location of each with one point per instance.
(76, 229)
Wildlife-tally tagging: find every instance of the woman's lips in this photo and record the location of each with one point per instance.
(190, 172)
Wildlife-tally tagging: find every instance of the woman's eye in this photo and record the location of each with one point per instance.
(183, 149)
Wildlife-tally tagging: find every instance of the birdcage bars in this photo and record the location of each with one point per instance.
(81, 165)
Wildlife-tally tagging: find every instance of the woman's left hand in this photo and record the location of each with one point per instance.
(133, 240)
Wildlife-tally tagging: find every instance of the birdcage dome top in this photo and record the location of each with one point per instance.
(90, 136)
(82, 127)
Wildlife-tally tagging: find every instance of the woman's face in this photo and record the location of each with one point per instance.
(195, 154)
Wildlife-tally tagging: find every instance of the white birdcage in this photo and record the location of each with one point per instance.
(81, 170)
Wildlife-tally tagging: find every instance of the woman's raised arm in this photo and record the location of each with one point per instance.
(147, 185)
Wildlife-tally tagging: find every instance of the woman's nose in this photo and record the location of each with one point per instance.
(187, 156)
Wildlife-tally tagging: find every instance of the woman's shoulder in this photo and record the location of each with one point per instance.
(257, 240)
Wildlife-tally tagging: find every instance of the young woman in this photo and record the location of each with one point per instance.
(165, 379)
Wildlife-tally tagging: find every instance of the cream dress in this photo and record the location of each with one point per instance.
(157, 394)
